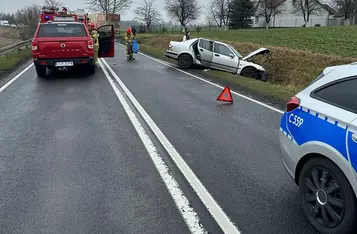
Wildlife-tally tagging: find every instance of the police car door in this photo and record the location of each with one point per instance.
(351, 143)
(338, 101)
(106, 41)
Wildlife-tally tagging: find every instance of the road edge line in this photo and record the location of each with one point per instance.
(182, 203)
(7, 84)
(211, 205)
(211, 83)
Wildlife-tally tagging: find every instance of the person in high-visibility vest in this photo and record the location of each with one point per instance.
(94, 34)
(129, 37)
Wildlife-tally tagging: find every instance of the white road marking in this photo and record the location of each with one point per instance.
(214, 84)
(188, 213)
(2, 88)
(212, 206)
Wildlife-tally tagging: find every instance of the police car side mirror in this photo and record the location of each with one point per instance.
(231, 55)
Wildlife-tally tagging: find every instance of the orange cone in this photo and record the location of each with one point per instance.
(226, 95)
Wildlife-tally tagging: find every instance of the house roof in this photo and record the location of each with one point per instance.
(328, 8)
(324, 6)
(339, 14)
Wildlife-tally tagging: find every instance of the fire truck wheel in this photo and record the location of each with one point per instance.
(41, 71)
(91, 69)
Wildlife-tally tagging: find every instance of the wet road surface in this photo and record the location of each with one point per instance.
(72, 162)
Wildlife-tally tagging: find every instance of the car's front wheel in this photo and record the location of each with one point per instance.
(250, 72)
(185, 61)
(327, 197)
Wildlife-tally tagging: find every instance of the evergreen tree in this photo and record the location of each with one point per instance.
(241, 12)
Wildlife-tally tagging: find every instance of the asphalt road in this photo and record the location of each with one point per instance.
(71, 161)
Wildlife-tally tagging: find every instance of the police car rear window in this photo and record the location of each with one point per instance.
(62, 30)
(341, 94)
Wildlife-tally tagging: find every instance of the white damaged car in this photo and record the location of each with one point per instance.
(216, 55)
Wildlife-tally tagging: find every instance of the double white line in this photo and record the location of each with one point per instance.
(188, 213)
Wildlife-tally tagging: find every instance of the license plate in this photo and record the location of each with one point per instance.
(64, 64)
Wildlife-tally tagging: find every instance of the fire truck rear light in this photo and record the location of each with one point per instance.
(83, 61)
(34, 46)
(43, 63)
(90, 44)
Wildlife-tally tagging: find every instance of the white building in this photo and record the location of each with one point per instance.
(289, 19)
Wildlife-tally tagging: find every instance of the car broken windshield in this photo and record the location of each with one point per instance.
(235, 51)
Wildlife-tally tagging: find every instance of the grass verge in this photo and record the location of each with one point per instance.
(334, 40)
(286, 66)
(13, 59)
(275, 91)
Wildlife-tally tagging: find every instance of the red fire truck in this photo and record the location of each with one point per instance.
(62, 15)
(62, 41)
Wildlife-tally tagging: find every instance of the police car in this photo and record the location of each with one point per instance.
(318, 141)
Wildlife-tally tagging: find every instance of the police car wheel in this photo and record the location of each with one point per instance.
(185, 61)
(327, 198)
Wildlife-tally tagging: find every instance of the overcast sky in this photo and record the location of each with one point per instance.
(6, 6)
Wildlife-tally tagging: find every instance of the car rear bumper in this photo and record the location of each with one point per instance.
(171, 54)
(52, 62)
(288, 149)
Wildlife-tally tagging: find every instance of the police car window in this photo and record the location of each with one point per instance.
(206, 44)
(62, 30)
(221, 49)
(342, 94)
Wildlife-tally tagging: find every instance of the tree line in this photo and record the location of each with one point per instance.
(226, 13)
(223, 13)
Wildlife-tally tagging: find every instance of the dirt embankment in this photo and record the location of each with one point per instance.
(8, 36)
(286, 66)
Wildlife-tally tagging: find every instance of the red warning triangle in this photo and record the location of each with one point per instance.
(226, 95)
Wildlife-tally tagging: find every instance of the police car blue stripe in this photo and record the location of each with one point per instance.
(284, 129)
(304, 125)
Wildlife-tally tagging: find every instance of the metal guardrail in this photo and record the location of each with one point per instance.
(8, 48)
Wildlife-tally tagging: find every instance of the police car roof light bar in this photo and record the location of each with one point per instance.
(293, 103)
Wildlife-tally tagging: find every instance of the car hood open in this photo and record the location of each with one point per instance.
(261, 51)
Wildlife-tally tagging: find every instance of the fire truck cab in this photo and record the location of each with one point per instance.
(62, 40)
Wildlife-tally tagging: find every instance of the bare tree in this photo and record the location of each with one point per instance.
(219, 11)
(209, 22)
(185, 11)
(269, 9)
(147, 13)
(29, 18)
(53, 3)
(109, 6)
(306, 8)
